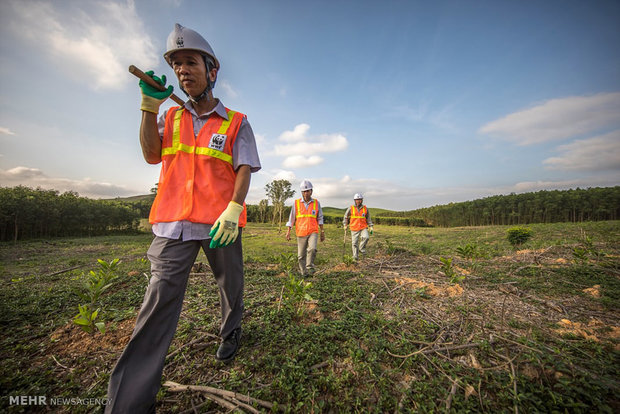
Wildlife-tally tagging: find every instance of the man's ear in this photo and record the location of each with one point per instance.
(213, 74)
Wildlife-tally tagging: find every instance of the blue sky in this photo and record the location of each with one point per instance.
(412, 103)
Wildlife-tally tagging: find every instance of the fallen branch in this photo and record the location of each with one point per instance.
(190, 343)
(175, 387)
(280, 300)
(65, 270)
(451, 396)
(246, 406)
(518, 344)
(221, 401)
(446, 348)
(319, 365)
(59, 364)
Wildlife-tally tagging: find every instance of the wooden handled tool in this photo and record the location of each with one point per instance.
(146, 78)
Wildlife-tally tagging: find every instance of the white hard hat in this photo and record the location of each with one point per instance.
(182, 38)
(358, 196)
(305, 185)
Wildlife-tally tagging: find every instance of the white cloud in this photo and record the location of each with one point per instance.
(284, 175)
(95, 42)
(6, 131)
(300, 149)
(297, 134)
(260, 139)
(299, 161)
(230, 92)
(533, 186)
(557, 119)
(33, 177)
(593, 154)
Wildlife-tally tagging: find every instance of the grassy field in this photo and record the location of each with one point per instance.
(432, 320)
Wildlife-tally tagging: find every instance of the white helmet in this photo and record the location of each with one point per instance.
(183, 38)
(305, 185)
(358, 196)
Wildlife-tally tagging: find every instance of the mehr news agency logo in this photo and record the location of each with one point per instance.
(51, 401)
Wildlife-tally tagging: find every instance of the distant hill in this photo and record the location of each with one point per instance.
(592, 204)
(135, 198)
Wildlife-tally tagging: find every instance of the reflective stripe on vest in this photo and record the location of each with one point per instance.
(306, 218)
(178, 146)
(197, 179)
(358, 219)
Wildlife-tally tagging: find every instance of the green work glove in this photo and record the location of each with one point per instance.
(151, 97)
(226, 228)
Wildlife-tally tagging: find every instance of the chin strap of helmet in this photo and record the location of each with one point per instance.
(210, 85)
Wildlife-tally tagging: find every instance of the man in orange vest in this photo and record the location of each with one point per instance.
(307, 217)
(207, 153)
(357, 217)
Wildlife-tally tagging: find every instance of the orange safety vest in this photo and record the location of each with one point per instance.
(197, 178)
(306, 218)
(358, 219)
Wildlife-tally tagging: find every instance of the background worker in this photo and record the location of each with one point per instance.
(357, 217)
(207, 153)
(307, 217)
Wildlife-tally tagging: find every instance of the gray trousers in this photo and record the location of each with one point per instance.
(359, 239)
(136, 378)
(306, 252)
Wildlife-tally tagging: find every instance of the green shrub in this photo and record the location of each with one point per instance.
(519, 235)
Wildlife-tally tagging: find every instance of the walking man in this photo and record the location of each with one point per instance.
(307, 217)
(357, 217)
(207, 153)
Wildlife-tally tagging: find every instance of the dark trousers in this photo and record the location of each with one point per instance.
(136, 378)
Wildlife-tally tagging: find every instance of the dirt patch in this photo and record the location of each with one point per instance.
(430, 288)
(71, 341)
(595, 330)
(341, 267)
(594, 291)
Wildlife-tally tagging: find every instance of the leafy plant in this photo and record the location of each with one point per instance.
(469, 251)
(448, 269)
(287, 262)
(421, 292)
(519, 235)
(391, 249)
(348, 260)
(294, 291)
(93, 286)
(86, 319)
(580, 255)
(296, 294)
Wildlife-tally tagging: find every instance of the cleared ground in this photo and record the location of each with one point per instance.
(533, 328)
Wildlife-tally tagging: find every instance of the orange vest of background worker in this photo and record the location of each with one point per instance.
(305, 219)
(209, 156)
(358, 219)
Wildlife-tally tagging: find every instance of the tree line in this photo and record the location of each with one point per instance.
(576, 205)
(27, 213)
(36, 213)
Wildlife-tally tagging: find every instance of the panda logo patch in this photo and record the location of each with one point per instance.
(217, 142)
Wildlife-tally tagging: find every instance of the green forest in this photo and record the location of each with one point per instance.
(576, 205)
(27, 213)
